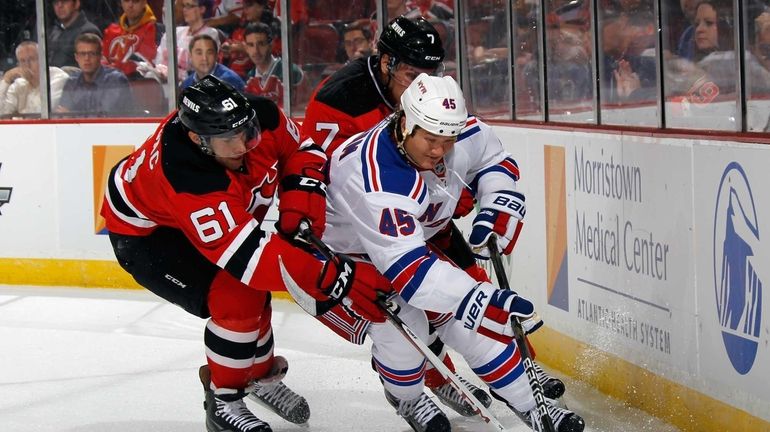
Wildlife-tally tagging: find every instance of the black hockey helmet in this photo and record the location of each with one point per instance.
(414, 42)
(214, 108)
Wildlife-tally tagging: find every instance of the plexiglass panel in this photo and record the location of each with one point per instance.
(19, 63)
(628, 64)
(487, 34)
(700, 65)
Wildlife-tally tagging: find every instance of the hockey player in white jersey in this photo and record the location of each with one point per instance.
(396, 185)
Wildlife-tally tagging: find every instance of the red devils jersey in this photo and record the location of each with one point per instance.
(122, 41)
(169, 182)
(350, 101)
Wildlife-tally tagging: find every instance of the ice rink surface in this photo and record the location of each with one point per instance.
(86, 360)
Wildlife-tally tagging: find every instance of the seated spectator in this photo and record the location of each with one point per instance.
(234, 53)
(70, 23)
(203, 56)
(628, 72)
(193, 11)
(96, 90)
(428, 9)
(227, 13)
(133, 39)
(686, 45)
(357, 40)
(20, 86)
(266, 79)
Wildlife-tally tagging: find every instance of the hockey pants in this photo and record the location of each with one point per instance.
(402, 367)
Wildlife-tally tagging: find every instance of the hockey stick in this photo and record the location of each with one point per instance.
(414, 340)
(518, 331)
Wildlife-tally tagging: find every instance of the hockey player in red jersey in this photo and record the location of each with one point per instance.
(362, 94)
(183, 214)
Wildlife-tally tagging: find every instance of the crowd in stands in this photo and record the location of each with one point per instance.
(240, 41)
(104, 55)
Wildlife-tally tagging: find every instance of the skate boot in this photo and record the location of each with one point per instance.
(563, 419)
(450, 397)
(421, 413)
(553, 388)
(228, 413)
(273, 394)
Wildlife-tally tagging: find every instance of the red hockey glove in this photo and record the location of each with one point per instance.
(489, 311)
(302, 198)
(303, 191)
(464, 204)
(501, 214)
(354, 284)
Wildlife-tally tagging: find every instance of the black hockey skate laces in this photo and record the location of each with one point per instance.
(237, 414)
(421, 409)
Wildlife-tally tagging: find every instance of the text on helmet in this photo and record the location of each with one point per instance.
(239, 122)
(422, 88)
(397, 28)
(229, 104)
(190, 104)
(432, 58)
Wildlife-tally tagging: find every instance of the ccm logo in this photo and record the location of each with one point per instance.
(475, 310)
(342, 281)
(176, 281)
(312, 183)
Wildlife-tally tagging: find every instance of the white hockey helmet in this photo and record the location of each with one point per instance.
(436, 104)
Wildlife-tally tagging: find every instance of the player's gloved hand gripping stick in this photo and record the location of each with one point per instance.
(391, 315)
(529, 366)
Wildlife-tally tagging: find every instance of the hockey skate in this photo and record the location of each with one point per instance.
(273, 394)
(450, 397)
(228, 413)
(421, 413)
(563, 419)
(553, 388)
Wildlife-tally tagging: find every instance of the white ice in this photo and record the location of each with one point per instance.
(85, 360)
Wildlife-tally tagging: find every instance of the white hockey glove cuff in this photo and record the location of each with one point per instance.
(500, 213)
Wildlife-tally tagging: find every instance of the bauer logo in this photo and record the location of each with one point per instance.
(737, 285)
(5, 194)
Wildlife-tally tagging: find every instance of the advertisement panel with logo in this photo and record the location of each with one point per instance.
(732, 208)
(28, 202)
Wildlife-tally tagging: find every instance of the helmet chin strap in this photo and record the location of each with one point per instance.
(401, 146)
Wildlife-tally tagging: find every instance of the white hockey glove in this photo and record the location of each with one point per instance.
(490, 312)
(500, 213)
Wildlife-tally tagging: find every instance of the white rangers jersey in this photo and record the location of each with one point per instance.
(380, 206)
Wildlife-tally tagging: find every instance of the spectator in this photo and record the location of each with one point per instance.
(20, 86)
(761, 46)
(686, 45)
(193, 11)
(96, 89)
(203, 56)
(227, 13)
(234, 53)
(629, 68)
(70, 23)
(266, 79)
(712, 31)
(357, 40)
(133, 39)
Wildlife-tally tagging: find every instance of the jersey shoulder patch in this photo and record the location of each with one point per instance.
(186, 168)
(350, 90)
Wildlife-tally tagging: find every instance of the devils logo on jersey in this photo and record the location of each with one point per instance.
(262, 194)
(122, 47)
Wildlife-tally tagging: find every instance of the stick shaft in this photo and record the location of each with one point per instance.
(529, 366)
